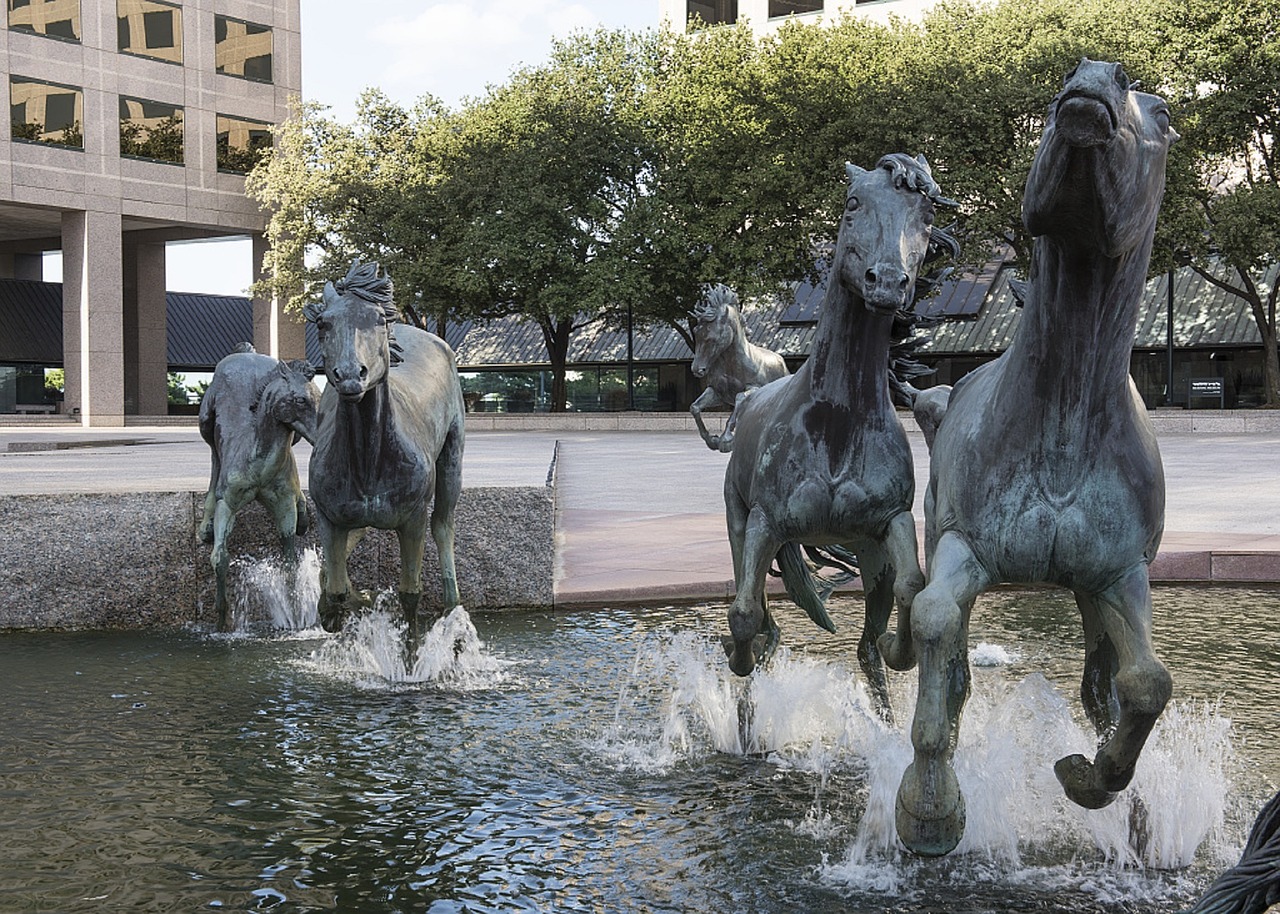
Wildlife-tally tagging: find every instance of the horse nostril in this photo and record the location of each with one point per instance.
(902, 283)
(364, 372)
(872, 277)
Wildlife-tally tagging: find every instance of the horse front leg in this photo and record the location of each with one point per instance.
(930, 808)
(878, 576)
(447, 492)
(708, 399)
(1125, 689)
(413, 544)
(221, 523)
(753, 633)
(903, 548)
(335, 586)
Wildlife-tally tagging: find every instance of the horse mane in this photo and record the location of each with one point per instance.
(363, 281)
(913, 174)
(716, 298)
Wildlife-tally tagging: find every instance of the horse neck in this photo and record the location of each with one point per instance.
(365, 429)
(1072, 349)
(849, 360)
(272, 435)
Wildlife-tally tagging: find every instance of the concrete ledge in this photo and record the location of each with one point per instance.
(132, 560)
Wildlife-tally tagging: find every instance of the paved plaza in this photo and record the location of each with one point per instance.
(640, 514)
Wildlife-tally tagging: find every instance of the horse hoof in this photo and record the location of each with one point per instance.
(725, 445)
(929, 810)
(206, 534)
(1077, 776)
(742, 659)
(713, 442)
(897, 653)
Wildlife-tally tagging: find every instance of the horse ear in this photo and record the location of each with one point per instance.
(301, 366)
(923, 163)
(853, 171)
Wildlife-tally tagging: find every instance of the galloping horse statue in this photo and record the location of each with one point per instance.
(1045, 467)
(390, 438)
(732, 365)
(820, 456)
(256, 407)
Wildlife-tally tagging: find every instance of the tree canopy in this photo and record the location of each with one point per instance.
(630, 169)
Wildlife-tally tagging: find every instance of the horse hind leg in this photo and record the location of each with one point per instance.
(1125, 689)
(930, 811)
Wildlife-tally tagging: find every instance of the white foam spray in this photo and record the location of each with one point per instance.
(265, 592)
(680, 701)
(370, 651)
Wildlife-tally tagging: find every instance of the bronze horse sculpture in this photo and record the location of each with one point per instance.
(390, 440)
(820, 457)
(732, 365)
(1045, 468)
(254, 411)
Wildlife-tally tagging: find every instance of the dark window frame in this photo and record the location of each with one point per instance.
(144, 53)
(727, 16)
(25, 30)
(142, 157)
(220, 19)
(15, 78)
(220, 156)
(821, 7)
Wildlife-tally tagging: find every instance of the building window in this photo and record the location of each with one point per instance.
(46, 112)
(150, 130)
(713, 12)
(150, 28)
(241, 142)
(787, 7)
(51, 18)
(242, 48)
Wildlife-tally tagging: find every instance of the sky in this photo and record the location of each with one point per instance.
(452, 49)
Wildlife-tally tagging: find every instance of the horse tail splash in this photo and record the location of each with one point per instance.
(805, 587)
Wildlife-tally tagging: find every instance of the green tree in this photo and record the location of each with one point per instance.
(1222, 64)
(544, 169)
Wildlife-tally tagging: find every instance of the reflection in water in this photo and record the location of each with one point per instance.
(603, 762)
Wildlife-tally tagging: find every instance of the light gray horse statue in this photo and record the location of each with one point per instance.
(254, 411)
(390, 439)
(820, 457)
(732, 365)
(1045, 468)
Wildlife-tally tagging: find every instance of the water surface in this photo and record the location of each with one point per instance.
(604, 761)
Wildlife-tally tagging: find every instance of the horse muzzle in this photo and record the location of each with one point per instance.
(1087, 112)
(884, 288)
(350, 391)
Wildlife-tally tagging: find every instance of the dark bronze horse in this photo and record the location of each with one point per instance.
(820, 457)
(1045, 467)
(732, 365)
(390, 439)
(254, 411)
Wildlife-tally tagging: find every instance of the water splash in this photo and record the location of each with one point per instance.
(370, 651)
(679, 702)
(264, 592)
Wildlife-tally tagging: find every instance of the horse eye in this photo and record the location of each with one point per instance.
(928, 217)
(851, 204)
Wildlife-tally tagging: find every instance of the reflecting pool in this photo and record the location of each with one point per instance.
(606, 761)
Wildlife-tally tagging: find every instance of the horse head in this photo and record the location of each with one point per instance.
(291, 399)
(353, 321)
(886, 230)
(718, 325)
(1098, 175)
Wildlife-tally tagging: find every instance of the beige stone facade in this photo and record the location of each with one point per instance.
(113, 149)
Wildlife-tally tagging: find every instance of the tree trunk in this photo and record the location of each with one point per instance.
(1270, 366)
(556, 335)
(1264, 316)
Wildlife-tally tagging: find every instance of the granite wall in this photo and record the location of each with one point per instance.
(132, 561)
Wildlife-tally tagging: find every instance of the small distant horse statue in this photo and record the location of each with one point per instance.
(821, 457)
(390, 438)
(1045, 467)
(256, 407)
(732, 365)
